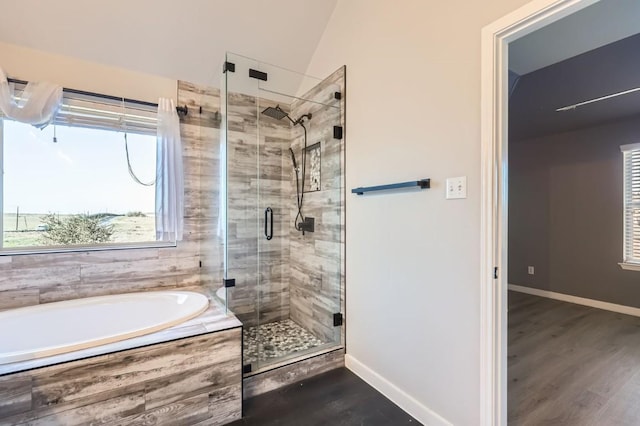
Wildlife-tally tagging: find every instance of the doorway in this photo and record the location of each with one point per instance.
(496, 85)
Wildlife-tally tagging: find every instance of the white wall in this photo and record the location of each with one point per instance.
(30, 64)
(413, 96)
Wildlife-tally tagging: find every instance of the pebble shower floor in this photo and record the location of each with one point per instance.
(276, 339)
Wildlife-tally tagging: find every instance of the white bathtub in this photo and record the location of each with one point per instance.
(60, 327)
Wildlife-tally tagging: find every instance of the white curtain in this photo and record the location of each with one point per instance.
(37, 106)
(169, 174)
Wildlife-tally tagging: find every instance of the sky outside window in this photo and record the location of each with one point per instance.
(84, 172)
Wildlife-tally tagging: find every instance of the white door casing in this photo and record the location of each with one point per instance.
(493, 251)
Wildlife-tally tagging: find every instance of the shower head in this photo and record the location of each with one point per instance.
(276, 112)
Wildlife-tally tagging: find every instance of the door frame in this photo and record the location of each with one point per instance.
(494, 192)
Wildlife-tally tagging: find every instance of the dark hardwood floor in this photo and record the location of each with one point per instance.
(571, 365)
(338, 397)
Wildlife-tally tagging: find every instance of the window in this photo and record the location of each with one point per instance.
(75, 183)
(631, 155)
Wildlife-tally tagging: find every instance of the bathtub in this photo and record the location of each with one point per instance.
(60, 327)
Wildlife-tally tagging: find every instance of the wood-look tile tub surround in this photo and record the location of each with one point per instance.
(196, 380)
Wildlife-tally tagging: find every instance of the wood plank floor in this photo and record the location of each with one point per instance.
(571, 365)
(337, 397)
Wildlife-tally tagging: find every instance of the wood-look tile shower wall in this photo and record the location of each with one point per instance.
(33, 279)
(317, 268)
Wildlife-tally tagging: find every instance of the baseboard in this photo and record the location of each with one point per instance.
(621, 309)
(405, 401)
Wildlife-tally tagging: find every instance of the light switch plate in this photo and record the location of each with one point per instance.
(456, 188)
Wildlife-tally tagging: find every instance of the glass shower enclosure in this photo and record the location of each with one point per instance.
(283, 209)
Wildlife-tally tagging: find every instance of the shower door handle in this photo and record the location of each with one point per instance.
(268, 223)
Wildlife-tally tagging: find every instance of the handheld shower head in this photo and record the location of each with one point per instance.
(293, 160)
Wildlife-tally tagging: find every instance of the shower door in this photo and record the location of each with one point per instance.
(284, 210)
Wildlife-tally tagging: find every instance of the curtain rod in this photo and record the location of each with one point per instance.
(602, 98)
(179, 109)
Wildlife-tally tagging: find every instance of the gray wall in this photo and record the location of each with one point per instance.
(565, 213)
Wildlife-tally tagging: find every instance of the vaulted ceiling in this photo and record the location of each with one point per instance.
(175, 39)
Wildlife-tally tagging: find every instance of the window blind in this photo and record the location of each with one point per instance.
(631, 155)
(82, 110)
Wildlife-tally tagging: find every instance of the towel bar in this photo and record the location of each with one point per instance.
(422, 184)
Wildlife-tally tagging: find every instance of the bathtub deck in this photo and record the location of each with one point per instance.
(212, 320)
